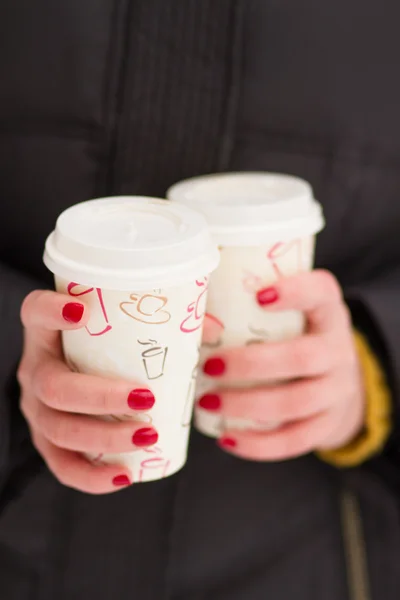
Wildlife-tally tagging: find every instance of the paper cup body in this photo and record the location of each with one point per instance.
(265, 225)
(152, 337)
(232, 302)
(105, 253)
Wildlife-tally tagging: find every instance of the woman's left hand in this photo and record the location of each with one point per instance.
(321, 400)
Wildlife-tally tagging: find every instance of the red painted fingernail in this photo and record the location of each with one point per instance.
(141, 399)
(73, 312)
(210, 402)
(214, 367)
(121, 480)
(267, 296)
(227, 442)
(145, 437)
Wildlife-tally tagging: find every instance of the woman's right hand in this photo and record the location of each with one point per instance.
(62, 407)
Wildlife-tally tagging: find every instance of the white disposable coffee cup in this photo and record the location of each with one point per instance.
(142, 266)
(265, 225)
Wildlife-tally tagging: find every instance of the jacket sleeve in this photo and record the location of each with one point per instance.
(375, 307)
(14, 437)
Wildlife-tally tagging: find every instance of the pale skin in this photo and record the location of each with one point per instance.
(320, 402)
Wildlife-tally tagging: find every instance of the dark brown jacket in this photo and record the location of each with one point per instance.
(103, 97)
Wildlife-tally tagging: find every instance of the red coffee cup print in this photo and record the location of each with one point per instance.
(279, 251)
(196, 309)
(98, 322)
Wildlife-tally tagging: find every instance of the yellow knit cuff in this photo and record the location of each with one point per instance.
(377, 415)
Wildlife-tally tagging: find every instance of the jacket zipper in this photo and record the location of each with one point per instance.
(354, 547)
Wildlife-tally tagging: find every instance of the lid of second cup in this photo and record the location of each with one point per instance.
(248, 209)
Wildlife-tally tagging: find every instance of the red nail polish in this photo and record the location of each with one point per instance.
(267, 296)
(73, 312)
(214, 367)
(210, 402)
(141, 399)
(227, 442)
(145, 437)
(121, 480)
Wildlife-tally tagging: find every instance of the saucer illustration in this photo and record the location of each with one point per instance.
(147, 308)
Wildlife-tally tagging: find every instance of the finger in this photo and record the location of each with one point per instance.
(87, 434)
(306, 356)
(45, 313)
(212, 332)
(76, 472)
(63, 390)
(290, 441)
(292, 401)
(316, 293)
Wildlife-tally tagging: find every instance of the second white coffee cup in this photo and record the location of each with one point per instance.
(265, 225)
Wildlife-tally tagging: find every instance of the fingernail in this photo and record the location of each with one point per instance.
(214, 367)
(73, 312)
(227, 442)
(267, 296)
(141, 399)
(145, 437)
(210, 402)
(121, 480)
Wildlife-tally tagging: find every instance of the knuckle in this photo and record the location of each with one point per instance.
(305, 357)
(298, 443)
(282, 447)
(104, 399)
(108, 438)
(23, 373)
(311, 398)
(36, 444)
(30, 408)
(56, 430)
(23, 407)
(299, 400)
(64, 474)
(319, 354)
(92, 482)
(329, 285)
(322, 355)
(27, 303)
(288, 403)
(346, 316)
(47, 384)
(339, 351)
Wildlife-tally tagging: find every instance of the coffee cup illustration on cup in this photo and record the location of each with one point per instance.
(154, 357)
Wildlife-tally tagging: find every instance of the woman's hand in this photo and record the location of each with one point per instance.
(61, 406)
(321, 400)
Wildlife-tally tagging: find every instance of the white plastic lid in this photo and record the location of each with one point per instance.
(249, 209)
(130, 242)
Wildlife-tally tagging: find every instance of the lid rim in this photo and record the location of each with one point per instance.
(251, 202)
(145, 278)
(140, 257)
